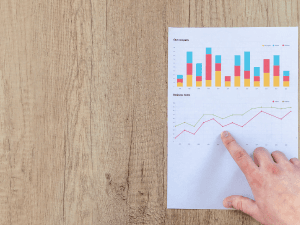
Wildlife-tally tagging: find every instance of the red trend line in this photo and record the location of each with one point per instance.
(232, 122)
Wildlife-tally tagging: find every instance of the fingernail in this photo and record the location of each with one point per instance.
(225, 134)
(229, 204)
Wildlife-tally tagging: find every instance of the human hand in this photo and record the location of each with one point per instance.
(275, 185)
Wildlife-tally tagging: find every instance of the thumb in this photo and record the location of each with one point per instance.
(244, 204)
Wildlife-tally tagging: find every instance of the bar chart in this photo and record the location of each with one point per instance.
(235, 75)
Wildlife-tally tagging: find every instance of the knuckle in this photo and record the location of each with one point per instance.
(229, 142)
(273, 168)
(239, 155)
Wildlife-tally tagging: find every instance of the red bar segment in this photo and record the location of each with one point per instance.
(189, 69)
(286, 78)
(266, 65)
(218, 67)
(227, 78)
(237, 71)
(276, 70)
(199, 78)
(256, 78)
(247, 74)
(208, 67)
(180, 80)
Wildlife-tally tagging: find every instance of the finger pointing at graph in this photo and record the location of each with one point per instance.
(240, 156)
(251, 171)
(275, 184)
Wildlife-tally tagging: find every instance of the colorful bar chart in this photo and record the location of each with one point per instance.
(189, 69)
(199, 71)
(247, 69)
(266, 72)
(256, 77)
(276, 71)
(218, 71)
(286, 78)
(237, 70)
(198, 74)
(179, 80)
(227, 81)
(208, 67)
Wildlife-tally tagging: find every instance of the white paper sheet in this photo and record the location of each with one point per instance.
(201, 172)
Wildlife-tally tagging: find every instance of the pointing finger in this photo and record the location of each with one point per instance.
(240, 156)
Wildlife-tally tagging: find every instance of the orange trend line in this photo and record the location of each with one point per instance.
(213, 119)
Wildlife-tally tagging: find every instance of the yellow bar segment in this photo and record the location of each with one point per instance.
(256, 83)
(266, 79)
(198, 83)
(237, 81)
(227, 84)
(189, 80)
(276, 81)
(247, 82)
(179, 84)
(208, 83)
(286, 83)
(218, 78)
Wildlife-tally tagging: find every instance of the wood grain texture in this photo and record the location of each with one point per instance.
(83, 96)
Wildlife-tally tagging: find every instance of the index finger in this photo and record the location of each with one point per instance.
(240, 156)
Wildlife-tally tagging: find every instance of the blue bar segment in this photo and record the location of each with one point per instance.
(198, 69)
(189, 57)
(237, 60)
(179, 76)
(218, 59)
(247, 61)
(276, 60)
(286, 73)
(208, 50)
(256, 71)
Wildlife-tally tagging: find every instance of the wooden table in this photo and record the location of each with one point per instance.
(83, 96)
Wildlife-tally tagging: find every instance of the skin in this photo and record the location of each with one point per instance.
(274, 181)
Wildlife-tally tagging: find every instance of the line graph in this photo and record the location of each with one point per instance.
(229, 115)
(213, 119)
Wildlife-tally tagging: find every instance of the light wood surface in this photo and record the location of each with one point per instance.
(83, 106)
